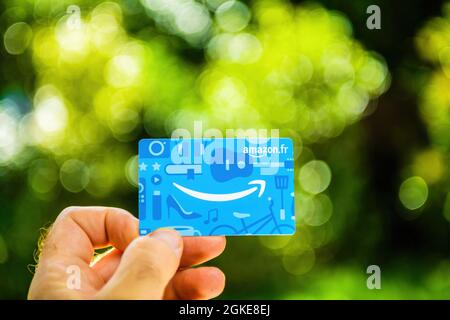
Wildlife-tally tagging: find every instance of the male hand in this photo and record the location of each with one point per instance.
(156, 266)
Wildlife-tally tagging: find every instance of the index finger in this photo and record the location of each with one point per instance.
(77, 231)
(201, 249)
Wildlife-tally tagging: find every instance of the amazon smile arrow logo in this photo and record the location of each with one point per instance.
(222, 197)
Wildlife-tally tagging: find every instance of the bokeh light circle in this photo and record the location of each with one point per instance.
(413, 192)
(192, 18)
(232, 16)
(17, 38)
(74, 175)
(430, 165)
(299, 262)
(51, 115)
(315, 176)
(122, 71)
(235, 48)
(317, 210)
(131, 170)
(43, 175)
(275, 242)
(10, 142)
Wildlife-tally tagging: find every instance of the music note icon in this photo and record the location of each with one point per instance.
(214, 218)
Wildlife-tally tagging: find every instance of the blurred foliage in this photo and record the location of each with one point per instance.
(83, 81)
(431, 164)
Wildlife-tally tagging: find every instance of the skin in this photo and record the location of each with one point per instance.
(156, 266)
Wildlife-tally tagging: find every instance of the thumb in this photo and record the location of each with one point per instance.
(146, 267)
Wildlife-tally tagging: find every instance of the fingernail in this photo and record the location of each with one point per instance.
(171, 237)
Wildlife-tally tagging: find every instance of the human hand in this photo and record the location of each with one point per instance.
(156, 266)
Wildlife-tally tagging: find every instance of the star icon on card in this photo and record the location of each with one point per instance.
(143, 166)
(156, 166)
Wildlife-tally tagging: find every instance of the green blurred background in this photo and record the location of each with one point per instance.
(369, 111)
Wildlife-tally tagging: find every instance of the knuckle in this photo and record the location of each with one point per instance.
(152, 259)
(151, 245)
(68, 212)
(124, 223)
(143, 244)
(146, 269)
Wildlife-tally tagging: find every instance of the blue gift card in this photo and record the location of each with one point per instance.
(232, 186)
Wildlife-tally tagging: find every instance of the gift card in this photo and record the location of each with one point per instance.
(230, 186)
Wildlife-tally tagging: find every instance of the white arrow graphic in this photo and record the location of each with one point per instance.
(222, 197)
